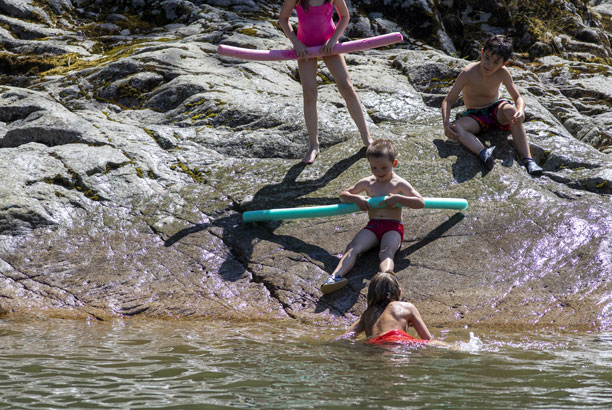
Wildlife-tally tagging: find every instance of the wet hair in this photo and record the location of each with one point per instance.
(305, 4)
(382, 148)
(382, 290)
(499, 45)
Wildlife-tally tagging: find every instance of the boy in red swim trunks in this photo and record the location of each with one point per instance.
(480, 84)
(385, 226)
(386, 319)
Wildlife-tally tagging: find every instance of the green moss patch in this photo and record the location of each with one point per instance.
(75, 184)
(195, 173)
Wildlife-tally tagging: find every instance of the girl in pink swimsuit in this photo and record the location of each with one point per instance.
(316, 27)
(316, 24)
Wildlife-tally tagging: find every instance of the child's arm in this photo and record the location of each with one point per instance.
(355, 328)
(350, 195)
(448, 102)
(283, 21)
(343, 15)
(414, 318)
(516, 96)
(408, 196)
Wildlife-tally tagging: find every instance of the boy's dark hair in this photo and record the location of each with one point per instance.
(382, 148)
(499, 45)
(382, 290)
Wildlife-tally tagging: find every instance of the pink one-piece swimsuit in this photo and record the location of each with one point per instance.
(316, 26)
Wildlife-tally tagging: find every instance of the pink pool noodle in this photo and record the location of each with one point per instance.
(275, 55)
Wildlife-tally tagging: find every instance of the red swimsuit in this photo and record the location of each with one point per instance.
(397, 336)
(382, 226)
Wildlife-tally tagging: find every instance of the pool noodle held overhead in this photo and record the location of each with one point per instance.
(341, 209)
(277, 55)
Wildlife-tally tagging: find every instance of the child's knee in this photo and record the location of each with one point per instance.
(350, 248)
(460, 128)
(310, 95)
(507, 112)
(386, 262)
(345, 86)
(387, 253)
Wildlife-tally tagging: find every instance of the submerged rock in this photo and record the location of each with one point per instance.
(123, 173)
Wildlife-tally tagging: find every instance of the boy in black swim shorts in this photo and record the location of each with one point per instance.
(479, 82)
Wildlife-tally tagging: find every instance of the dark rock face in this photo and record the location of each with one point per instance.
(127, 154)
(460, 27)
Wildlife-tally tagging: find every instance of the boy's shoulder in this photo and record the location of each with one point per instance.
(471, 66)
(367, 180)
(474, 68)
(399, 180)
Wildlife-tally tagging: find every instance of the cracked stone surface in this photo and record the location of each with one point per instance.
(124, 172)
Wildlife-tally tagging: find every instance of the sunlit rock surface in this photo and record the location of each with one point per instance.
(129, 149)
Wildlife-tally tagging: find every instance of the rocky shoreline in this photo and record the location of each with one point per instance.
(129, 148)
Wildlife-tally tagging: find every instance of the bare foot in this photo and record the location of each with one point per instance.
(311, 155)
(367, 142)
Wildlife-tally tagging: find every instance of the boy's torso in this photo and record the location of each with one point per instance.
(376, 188)
(480, 91)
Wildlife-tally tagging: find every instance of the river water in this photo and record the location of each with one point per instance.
(139, 364)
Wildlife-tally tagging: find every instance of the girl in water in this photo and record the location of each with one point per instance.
(386, 319)
(316, 28)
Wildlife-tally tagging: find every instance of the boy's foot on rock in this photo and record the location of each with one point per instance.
(486, 156)
(309, 158)
(532, 168)
(333, 283)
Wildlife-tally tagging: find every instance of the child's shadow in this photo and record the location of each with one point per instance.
(241, 237)
(343, 300)
(468, 165)
(287, 193)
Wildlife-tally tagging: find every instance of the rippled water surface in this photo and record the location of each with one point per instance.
(194, 365)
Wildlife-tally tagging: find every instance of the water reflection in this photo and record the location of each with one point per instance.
(181, 365)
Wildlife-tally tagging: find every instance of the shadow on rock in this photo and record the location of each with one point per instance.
(287, 193)
(241, 238)
(344, 299)
(467, 165)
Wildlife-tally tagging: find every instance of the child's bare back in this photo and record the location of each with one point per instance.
(385, 311)
(397, 315)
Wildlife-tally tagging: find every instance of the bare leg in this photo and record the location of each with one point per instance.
(466, 127)
(363, 241)
(504, 116)
(308, 77)
(389, 244)
(337, 67)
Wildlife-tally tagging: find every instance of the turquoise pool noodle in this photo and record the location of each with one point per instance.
(341, 209)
